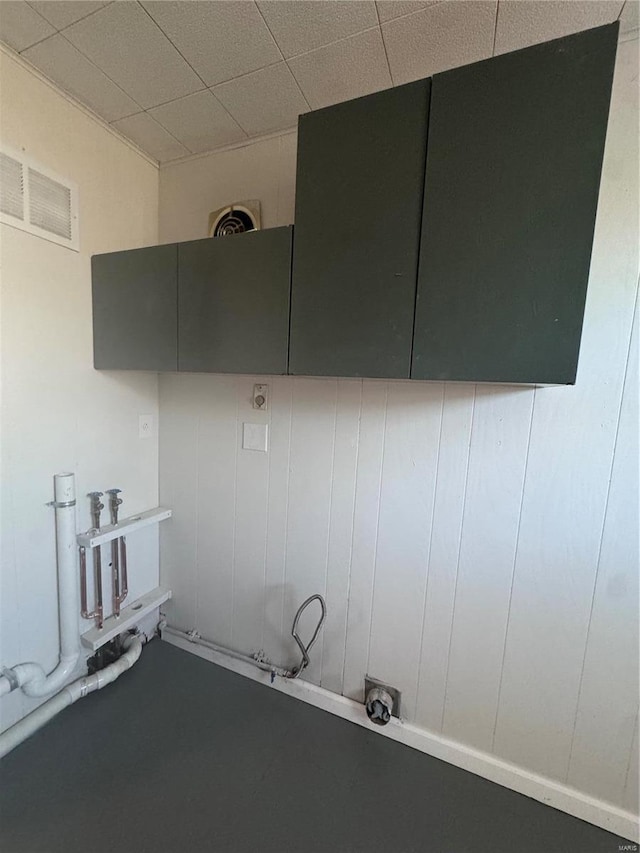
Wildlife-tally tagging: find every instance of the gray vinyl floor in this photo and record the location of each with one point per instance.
(181, 756)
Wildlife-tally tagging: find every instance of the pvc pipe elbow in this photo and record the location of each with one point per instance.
(35, 682)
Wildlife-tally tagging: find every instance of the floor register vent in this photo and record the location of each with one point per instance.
(35, 200)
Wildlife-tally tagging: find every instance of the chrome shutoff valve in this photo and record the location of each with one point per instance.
(96, 508)
(114, 503)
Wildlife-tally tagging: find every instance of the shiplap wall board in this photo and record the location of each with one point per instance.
(444, 557)
(410, 457)
(608, 692)
(477, 545)
(341, 517)
(490, 522)
(571, 453)
(373, 416)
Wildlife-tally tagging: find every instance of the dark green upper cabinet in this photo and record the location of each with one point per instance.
(233, 305)
(443, 232)
(513, 170)
(135, 296)
(359, 187)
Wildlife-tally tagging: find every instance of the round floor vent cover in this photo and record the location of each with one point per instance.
(235, 219)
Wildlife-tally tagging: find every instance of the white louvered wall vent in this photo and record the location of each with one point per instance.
(35, 200)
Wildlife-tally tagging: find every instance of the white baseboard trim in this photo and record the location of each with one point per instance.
(483, 764)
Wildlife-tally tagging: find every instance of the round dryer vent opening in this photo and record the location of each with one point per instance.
(235, 219)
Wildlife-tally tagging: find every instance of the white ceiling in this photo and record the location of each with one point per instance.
(184, 77)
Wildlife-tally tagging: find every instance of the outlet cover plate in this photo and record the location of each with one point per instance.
(370, 683)
(146, 426)
(255, 437)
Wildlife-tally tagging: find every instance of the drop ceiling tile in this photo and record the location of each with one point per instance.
(73, 73)
(61, 13)
(440, 37)
(629, 18)
(199, 122)
(299, 27)
(124, 42)
(523, 24)
(346, 69)
(266, 100)
(221, 40)
(21, 26)
(390, 9)
(147, 133)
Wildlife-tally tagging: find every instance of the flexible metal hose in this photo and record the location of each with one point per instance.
(304, 663)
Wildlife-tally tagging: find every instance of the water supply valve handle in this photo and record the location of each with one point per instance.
(114, 503)
(96, 508)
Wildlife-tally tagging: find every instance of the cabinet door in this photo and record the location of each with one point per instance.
(135, 309)
(360, 179)
(234, 303)
(511, 189)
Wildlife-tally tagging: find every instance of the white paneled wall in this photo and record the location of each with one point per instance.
(58, 413)
(477, 546)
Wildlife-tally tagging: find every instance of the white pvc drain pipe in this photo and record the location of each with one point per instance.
(30, 676)
(70, 694)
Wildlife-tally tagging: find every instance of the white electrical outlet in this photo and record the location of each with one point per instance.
(146, 426)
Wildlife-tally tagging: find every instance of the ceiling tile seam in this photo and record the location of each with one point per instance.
(59, 86)
(244, 73)
(422, 11)
(384, 45)
(337, 41)
(624, 6)
(264, 21)
(44, 20)
(241, 143)
(495, 29)
(101, 70)
(151, 18)
(204, 83)
(78, 104)
(66, 27)
(171, 100)
(409, 14)
(324, 47)
(61, 33)
(57, 31)
(231, 116)
(160, 125)
(39, 41)
(304, 97)
(299, 84)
